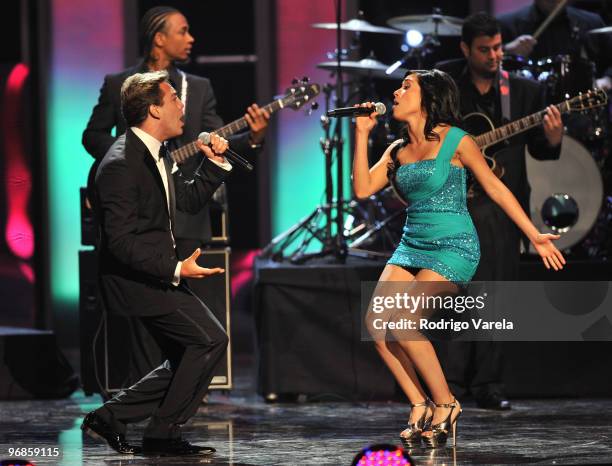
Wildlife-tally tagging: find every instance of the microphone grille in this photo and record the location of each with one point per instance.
(204, 137)
(380, 108)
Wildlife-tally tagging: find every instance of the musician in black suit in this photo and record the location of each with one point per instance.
(565, 35)
(477, 366)
(138, 190)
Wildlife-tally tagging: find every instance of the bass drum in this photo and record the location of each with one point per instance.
(566, 194)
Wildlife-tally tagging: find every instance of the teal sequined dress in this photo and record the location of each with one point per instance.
(439, 234)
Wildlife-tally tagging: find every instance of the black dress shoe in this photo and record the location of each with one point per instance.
(494, 401)
(173, 447)
(96, 427)
(198, 449)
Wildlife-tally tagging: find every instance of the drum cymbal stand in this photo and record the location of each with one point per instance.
(319, 225)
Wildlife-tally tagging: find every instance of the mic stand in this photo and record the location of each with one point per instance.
(319, 225)
(340, 249)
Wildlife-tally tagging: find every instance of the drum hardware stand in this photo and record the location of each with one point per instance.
(333, 243)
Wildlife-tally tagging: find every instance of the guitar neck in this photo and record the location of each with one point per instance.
(189, 150)
(496, 135)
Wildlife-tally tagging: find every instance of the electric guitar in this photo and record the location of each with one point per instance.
(488, 137)
(295, 98)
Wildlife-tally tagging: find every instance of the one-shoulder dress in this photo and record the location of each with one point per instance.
(439, 234)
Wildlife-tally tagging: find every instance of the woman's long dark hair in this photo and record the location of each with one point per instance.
(440, 104)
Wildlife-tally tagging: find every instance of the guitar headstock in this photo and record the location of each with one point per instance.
(301, 93)
(584, 101)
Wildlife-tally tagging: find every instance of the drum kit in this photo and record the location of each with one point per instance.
(567, 198)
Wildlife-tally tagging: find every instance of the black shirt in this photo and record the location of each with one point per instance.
(473, 101)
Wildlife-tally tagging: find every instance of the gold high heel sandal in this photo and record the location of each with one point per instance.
(411, 436)
(440, 431)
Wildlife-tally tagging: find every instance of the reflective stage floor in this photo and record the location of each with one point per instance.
(247, 431)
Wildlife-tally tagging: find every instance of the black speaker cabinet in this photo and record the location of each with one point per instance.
(116, 350)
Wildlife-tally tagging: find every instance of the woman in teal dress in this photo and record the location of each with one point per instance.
(439, 243)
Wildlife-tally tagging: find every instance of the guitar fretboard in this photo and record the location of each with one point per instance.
(188, 150)
(516, 127)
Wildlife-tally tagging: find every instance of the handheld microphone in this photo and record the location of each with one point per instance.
(379, 108)
(228, 154)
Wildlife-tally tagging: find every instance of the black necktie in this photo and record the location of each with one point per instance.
(163, 152)
(164, 155)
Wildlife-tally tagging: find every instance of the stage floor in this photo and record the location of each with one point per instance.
(247, 431)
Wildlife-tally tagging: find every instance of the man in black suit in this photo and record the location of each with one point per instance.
(565, 35)
(477, 366)
(138, 190)
(166, 41)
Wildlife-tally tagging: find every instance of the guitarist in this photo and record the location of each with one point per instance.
(166, 41)
(483, 87)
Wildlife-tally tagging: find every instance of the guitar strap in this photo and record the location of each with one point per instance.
(183, 90)
(504, 94)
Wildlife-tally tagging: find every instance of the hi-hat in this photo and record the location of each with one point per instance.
(366, 67)
(357, 25)
(604, 30)
(428, 24)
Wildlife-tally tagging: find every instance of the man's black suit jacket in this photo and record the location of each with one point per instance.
(137, 257)
(200, 116)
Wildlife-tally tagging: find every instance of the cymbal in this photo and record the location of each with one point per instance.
(426, 24)
(604, 30)
(367, 67)
(357, 25)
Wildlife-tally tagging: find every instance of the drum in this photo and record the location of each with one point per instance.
(565, 76)
(566, 194)
(520, 66)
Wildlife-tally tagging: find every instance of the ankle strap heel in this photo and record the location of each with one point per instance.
(411, 436)
(440, 431)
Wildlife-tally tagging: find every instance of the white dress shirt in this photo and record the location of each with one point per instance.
(154, 145)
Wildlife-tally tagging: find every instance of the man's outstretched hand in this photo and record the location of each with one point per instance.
(190, 269)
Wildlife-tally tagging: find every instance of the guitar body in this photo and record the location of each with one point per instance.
(476, 124)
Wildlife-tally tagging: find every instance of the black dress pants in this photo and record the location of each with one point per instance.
(193, 341)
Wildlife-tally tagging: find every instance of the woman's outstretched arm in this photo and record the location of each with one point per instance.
(471, 157)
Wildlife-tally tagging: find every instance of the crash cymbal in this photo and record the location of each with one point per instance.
(366, 67)
(604, 30)
(428, 24)
(357, 25)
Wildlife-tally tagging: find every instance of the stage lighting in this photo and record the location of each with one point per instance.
(382, 455)
(414, 38)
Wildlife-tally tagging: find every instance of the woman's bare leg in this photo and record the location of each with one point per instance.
(394, 356)
(423, 356)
